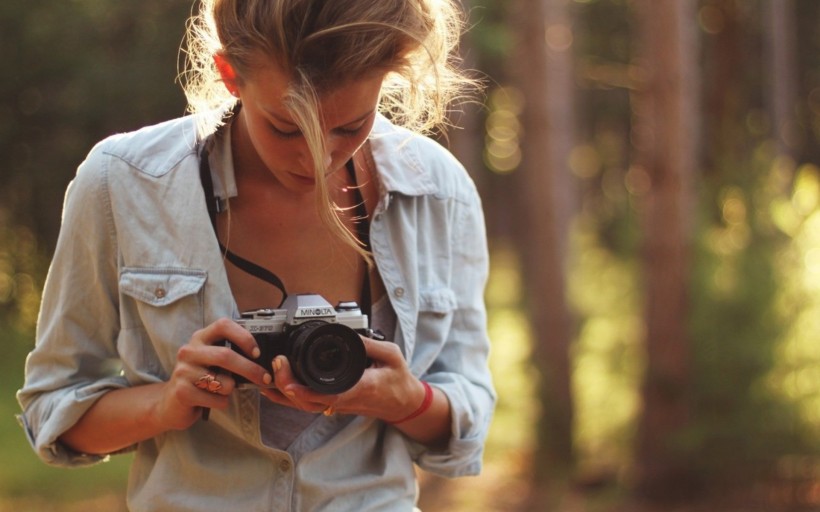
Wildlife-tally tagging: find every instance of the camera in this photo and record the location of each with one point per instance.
(321, 342)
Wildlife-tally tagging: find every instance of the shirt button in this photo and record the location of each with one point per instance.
(399, 292)
(284, 466)
(159, 293)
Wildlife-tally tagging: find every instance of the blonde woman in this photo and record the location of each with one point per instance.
(287, 181)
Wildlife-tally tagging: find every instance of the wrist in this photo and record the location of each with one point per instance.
(425, 404)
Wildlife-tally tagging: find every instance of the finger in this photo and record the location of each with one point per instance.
(198, 395)
(274, 395)
(227, 329)
(213, 401)
(328, 407)
(228, 361)
(216, 383)
(384, 351)
(283, 377)
(300, 395)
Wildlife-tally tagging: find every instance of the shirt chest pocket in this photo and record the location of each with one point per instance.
(436, 309)
(160, 309)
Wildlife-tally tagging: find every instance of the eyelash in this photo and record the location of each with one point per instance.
(294, 134)
(349, 132)
(285, 135)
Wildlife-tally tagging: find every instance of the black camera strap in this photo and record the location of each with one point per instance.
(362, 234)
(215, 205)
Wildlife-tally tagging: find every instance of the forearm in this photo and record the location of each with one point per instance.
(433, 427)
(119, 419)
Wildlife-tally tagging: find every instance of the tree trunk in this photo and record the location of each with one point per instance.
(544, 74)
(781, 45)
(666, 140)
(726, 93)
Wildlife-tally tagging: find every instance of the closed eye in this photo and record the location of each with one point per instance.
(349, 132)
(354, 128)
(344, 131)
(285, 134)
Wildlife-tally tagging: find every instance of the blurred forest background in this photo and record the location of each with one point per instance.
(649, 170)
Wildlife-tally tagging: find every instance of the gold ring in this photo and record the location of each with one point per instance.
(208, 382)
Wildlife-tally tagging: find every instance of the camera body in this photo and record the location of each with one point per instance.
(321, 342)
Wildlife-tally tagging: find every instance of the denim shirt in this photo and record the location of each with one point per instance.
(137, 270)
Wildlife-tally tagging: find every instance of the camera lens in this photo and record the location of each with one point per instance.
(328, 358)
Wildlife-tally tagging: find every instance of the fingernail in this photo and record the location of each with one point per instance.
(289, 392)
(277, 364)
(267, 378)
(255, 353)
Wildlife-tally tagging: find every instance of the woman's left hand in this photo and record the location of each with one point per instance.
(387, 390)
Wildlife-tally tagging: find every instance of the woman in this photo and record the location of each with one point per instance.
(307, 189)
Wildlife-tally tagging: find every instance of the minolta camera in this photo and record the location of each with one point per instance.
(321, 342)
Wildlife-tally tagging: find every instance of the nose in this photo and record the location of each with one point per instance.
(306, 161)
(332, 148)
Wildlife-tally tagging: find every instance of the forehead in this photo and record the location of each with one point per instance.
(269, 85)
(268, 79)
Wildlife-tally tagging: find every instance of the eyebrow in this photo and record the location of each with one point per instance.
(291, 123)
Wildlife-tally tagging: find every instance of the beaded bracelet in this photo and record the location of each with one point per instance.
(425, 404)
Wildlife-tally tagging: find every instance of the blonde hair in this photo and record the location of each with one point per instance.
(322, 44)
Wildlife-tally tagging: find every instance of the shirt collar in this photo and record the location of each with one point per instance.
(220, 159)
(397, 160)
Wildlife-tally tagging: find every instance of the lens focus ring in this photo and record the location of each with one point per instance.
(328, 358)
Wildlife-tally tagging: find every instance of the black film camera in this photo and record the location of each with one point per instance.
(321, 342)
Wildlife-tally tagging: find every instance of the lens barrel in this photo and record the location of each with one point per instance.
(327, 357)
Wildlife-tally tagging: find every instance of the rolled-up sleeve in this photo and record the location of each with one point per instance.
(74, 359)
(461, 369)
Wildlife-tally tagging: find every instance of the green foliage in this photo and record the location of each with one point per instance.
(489, 34)
(22, 266)
(744, 426)
(23, 475)
(515, 379)
(753, 324)
(754, 311)
(75, 71)
(608, 360)
(736, 332)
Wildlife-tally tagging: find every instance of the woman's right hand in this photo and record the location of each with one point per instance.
(123, 417)
(205, 358)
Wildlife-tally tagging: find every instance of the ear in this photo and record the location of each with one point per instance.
(228, 74)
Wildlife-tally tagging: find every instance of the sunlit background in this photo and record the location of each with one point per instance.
(77, 70)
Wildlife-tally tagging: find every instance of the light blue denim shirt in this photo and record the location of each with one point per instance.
(137, 270)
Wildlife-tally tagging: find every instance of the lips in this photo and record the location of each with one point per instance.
(304, 180)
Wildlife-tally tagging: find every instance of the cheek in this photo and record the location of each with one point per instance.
(348, 145)
(277, 152)
(345, 149)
